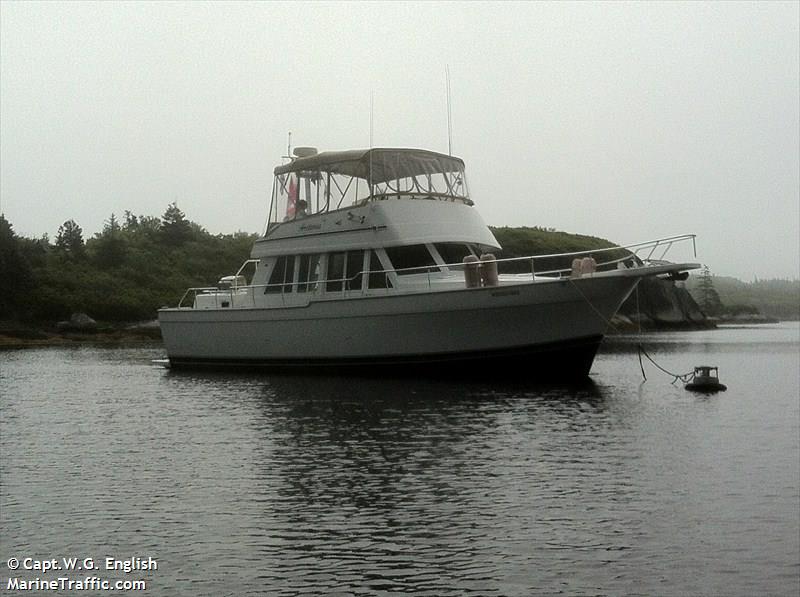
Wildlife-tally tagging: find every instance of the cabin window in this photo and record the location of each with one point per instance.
(377, 277)
(453, 253)
(308, 273)
(282, 276)
(355, 267)
(345, 271)
(335, 272)
(411, 256)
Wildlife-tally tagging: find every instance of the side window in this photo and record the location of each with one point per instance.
(453, 253)
(280, 280)
(308, 273)
(355, 265)
(276, 277)
(335, 272)
(411, 256)
(289, 277)
(377, 277)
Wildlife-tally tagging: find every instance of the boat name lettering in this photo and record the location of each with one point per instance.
(505, 293)
(311, 227)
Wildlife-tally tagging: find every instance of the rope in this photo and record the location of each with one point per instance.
(639, 317)
(641, 366)
(588, 302)
(684, 377)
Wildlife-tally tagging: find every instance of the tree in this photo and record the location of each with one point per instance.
(175, 228)
(709, 298)
(70, 238)
(112, 226)
(110, 245)
(14, 271)
(149, 225)
(131, 221)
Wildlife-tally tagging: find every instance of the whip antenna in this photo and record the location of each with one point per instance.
(449, 117)
(371, 111)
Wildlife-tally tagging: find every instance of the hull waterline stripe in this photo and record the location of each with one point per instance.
(570, 357)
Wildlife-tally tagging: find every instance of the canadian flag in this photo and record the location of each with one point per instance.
(291, 203)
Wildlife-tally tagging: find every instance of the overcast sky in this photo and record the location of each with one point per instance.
(628, 121)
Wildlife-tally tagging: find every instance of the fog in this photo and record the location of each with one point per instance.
(625, 121)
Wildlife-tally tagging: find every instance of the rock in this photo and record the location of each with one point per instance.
(144, 325)
(744, 318)
(81, 321)
(78, 322)
(663, 304)
(145, 329)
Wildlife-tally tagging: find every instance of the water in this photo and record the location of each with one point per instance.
(262, 484)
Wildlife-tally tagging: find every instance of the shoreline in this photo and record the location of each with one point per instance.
(19, 335)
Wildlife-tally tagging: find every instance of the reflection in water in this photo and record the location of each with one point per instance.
(253, 484)
(425, 484)
(416, 484)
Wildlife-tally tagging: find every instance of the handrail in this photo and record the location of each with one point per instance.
(666, 242)
(417, 195)
(378, 196)
(244, 265)
(642, 245)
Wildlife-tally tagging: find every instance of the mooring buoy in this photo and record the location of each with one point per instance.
(705, 379)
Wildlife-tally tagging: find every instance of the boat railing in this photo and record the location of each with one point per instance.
(417, 195)
(217, 292)
(221, 294)
(660, 247)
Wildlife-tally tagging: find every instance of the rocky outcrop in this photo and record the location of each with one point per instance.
(78, 322)
(661, 304)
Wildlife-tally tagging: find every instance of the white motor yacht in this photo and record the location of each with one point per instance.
(378, 259)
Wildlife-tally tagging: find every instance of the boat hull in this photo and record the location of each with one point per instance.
(544, 329)
(554, 360)
(706, 387)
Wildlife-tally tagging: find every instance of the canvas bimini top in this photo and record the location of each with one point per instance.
(333, 180)
(376, 165)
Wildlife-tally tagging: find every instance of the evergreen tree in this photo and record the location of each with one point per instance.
(709, 298)
(110, 246)
(70, 238)
(131, 221)
(175, 228)
(14, 270)
(149, 225)
(112, 226)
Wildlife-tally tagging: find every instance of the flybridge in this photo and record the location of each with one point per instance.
(321, 182)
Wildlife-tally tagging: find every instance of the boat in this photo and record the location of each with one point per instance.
(377, 259)
(705, 379)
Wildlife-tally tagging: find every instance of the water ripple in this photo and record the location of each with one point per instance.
(257, 484)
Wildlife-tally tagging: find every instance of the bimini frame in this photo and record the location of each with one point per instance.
(332, 180)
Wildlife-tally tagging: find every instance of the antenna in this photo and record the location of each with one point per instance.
(371, 111)
(449, 117)
(289, 146)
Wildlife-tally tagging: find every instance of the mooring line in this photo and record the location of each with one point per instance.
(684, 377)
(595, 309)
